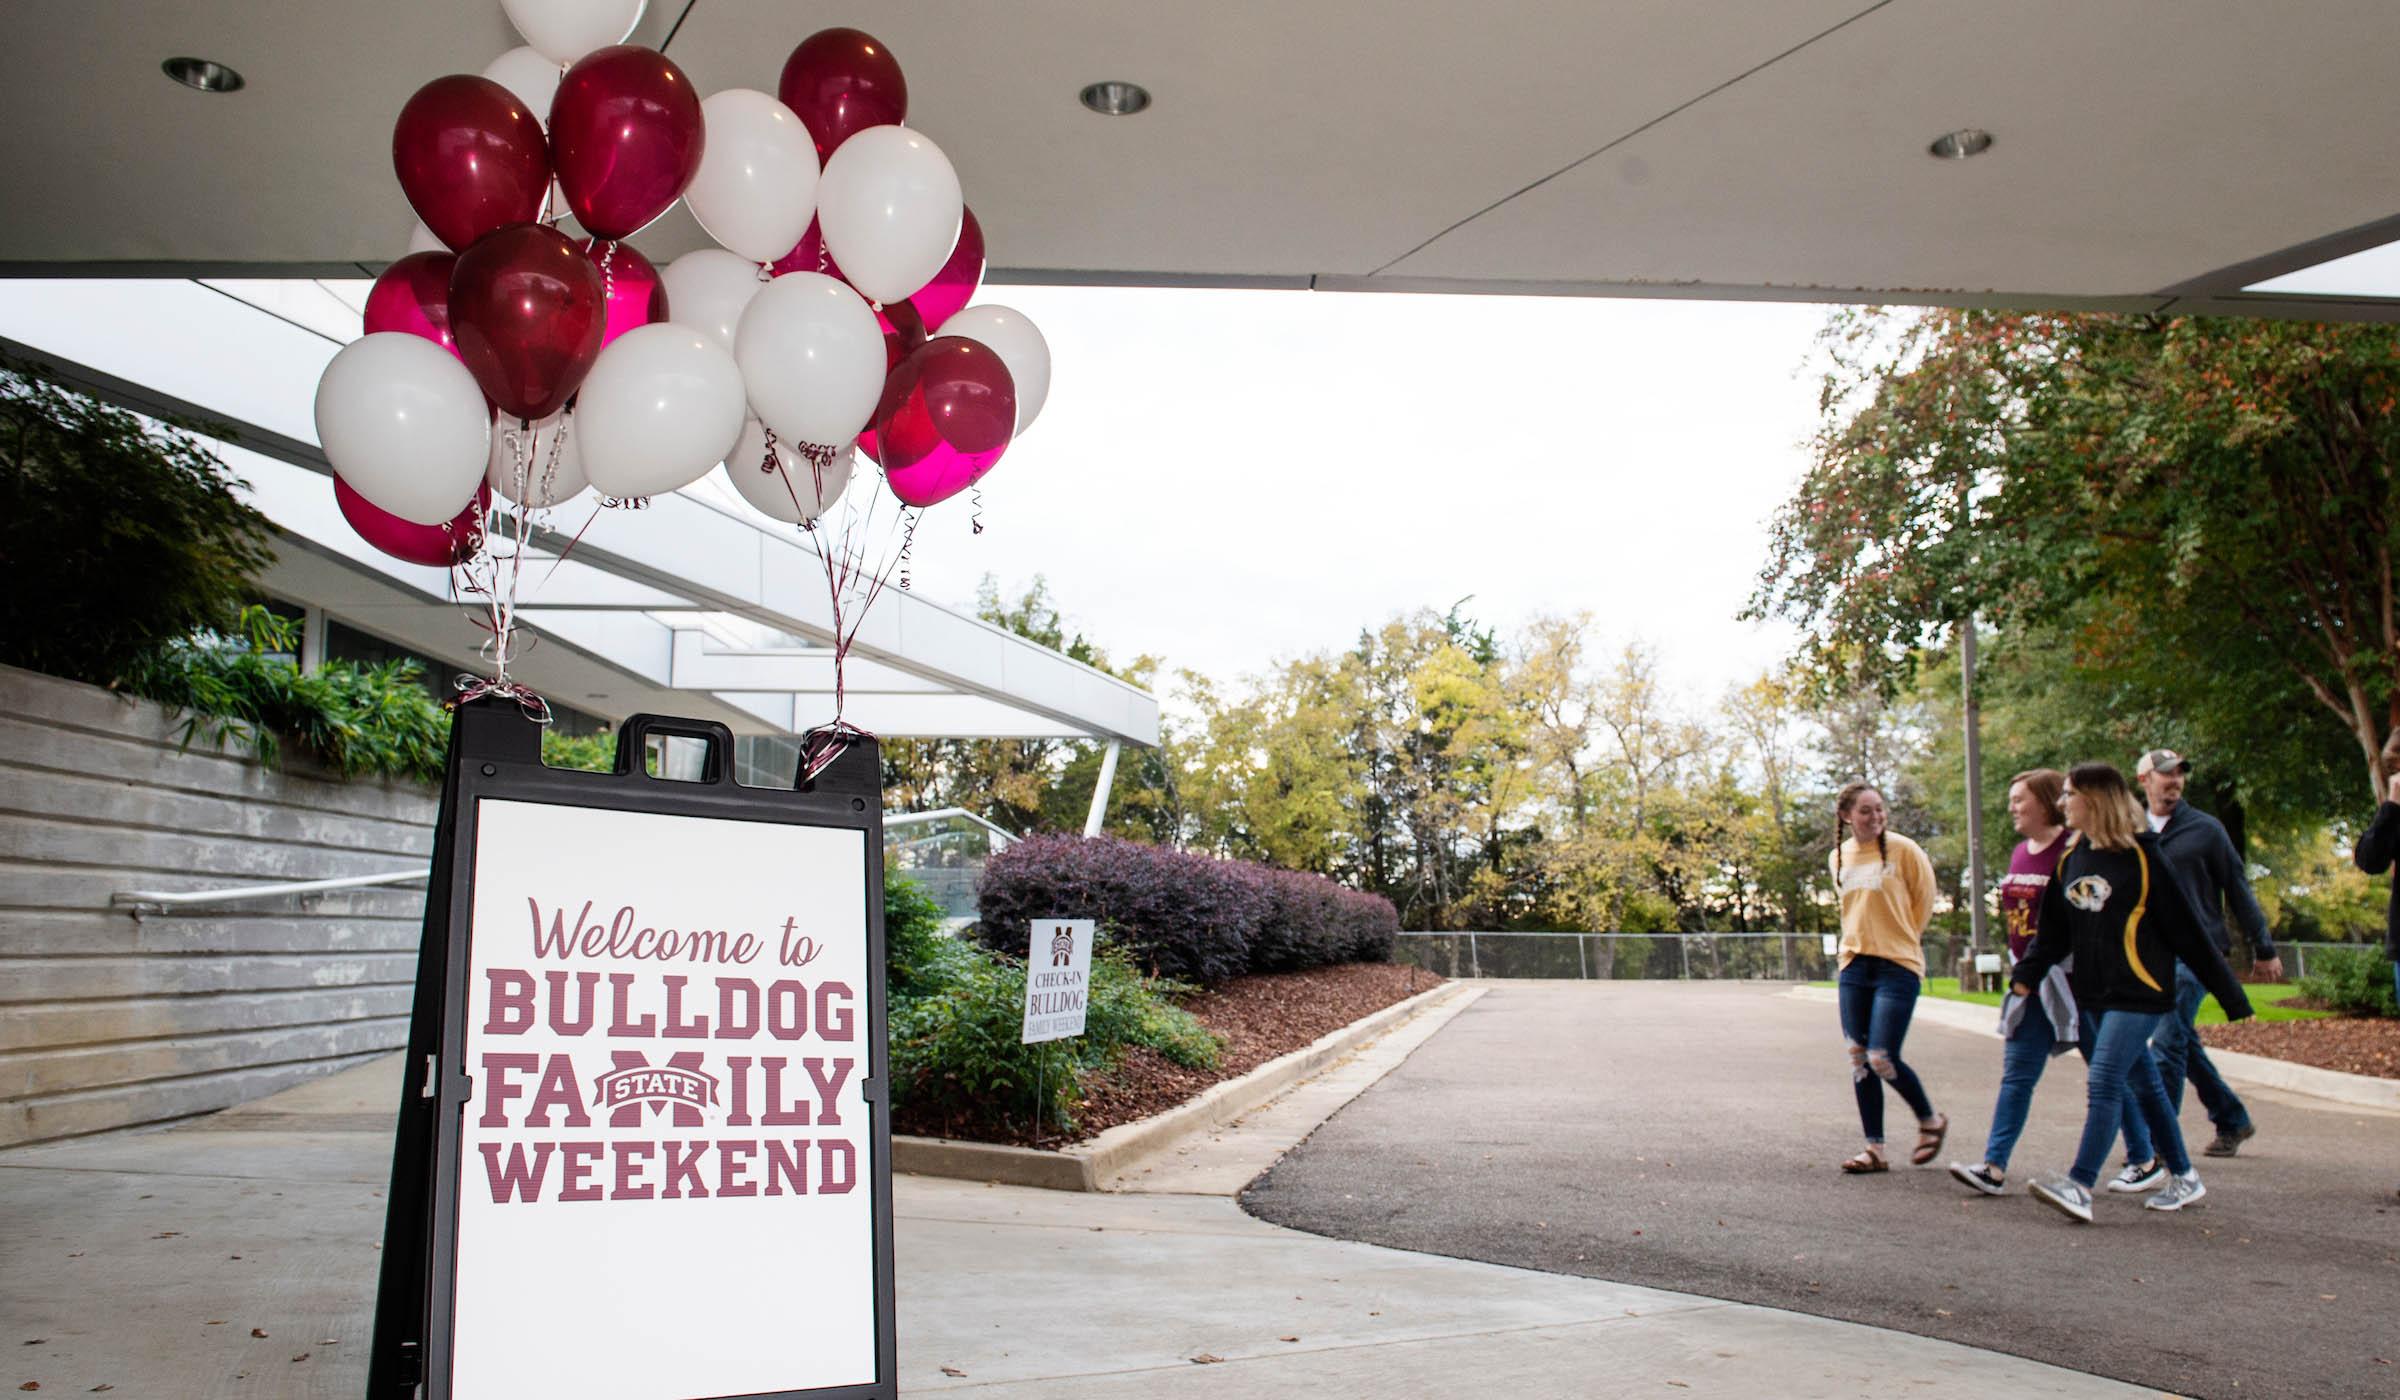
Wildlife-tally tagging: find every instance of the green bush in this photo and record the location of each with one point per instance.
(119, 535)
(956, 1010)
(2351, 981)
(592, 753)
(360, 721)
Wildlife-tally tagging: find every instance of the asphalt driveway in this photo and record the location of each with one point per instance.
(1685, 1136)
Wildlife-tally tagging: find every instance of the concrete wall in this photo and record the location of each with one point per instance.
(108, 1020)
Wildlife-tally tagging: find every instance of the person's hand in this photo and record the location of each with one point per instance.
(2391, 787)
(2270, 969)
(2020, 989)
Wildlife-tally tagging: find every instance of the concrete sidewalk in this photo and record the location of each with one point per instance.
(236, 1257)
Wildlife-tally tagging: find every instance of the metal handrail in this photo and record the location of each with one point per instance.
(1004, 835)
(161, 900)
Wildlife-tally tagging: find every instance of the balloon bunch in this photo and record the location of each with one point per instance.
(503, 356)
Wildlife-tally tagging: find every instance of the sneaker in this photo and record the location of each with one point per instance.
(2229, 1140)
(1979, 1177)
(2181, 1191)
(2135, 1178)
(2067, 1195)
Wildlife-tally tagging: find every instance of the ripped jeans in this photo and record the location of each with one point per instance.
(1878, 997)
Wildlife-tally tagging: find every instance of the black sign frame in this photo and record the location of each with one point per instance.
(495, 753)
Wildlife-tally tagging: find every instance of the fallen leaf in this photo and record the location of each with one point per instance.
(1680, 1385)
(95, 1390)
(1287, 1339)
(166, 1234)
(214, 1322)
(31, 1385)
(301, 1357)
(1207, 1358)
(952, 1371)
(1374, 1314)
(1941, 1312)
(330, 1341)
(2328, 1297)
(258, 1331)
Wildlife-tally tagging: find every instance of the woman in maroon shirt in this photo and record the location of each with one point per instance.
(2046, 1023)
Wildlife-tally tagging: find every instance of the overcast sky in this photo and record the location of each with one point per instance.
(1232, 478)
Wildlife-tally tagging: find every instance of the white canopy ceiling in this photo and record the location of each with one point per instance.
(693, 606)
(2148, 153)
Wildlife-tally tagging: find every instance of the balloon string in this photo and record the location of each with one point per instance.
(908, 542)
(975, 498)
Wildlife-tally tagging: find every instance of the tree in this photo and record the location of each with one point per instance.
(2203, 508)
(120, 536)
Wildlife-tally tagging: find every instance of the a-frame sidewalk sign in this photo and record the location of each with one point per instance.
(643, 1149)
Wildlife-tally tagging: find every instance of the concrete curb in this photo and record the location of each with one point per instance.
(1086, 1166)
(2352, 1090)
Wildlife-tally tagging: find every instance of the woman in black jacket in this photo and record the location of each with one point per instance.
(2116, 909)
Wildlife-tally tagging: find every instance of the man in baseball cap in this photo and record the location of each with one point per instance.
(2212, 876)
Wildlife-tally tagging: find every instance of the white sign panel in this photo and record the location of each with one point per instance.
(1058, 978)
(664, 1180)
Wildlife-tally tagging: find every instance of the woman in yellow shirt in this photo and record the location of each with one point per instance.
(1885, 884)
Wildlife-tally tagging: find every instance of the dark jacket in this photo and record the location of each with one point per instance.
(2376, 851)
(2124, 918)
(2212, 875)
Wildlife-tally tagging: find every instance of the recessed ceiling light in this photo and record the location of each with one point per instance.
(1962, 143)
(1115, 99)
(202, 74)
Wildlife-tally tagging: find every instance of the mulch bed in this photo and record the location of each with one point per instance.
(1260, 1017)
(2352, 1044)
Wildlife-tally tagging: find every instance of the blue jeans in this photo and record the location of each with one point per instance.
(2180, 1055)
(2022, 1060)
(1878, 997)
(2122, 1070)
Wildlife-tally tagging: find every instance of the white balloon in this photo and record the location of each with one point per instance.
(566, 30)
(422, 240)
(553, 466)
(402, 421)
(889, 206)
(533, 77)
(792, 490)
(1019, 344)
(812, 357)
(707, 289)
(661, 406)
(757, 185)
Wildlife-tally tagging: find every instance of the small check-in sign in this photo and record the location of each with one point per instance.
(1058, 979)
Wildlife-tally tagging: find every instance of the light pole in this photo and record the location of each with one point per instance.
(1974, 727)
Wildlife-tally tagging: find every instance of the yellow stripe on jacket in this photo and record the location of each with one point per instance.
(2133, 923)
(1884, 911)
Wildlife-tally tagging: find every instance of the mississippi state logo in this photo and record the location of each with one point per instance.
(2090, 894)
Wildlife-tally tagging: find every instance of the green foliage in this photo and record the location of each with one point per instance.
(118, 535)
(2350, 981)
(956, 1011)
(592, 753)
(360, 721)
(2193, 520)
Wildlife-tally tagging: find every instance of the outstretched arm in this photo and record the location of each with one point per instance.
(2171, 914)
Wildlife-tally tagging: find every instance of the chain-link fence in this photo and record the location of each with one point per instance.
(1773, 957)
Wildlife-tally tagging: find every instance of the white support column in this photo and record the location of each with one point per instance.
(1108, 779)
(312, 639)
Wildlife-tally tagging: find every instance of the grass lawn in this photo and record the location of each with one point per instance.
(2266, 999)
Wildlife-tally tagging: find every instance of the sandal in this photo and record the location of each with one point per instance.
(1929, 1140)
(1865, 1163)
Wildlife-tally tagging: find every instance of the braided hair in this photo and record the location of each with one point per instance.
(1843, 801)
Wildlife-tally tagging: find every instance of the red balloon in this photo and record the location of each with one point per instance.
(625, 131)
(525, 306)
(955, 285)
(470, 157)
(453, 542)
(413, 295)
(903, 332)
(637, 295)
(947, 414)
(809, 255)
(840, 81)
